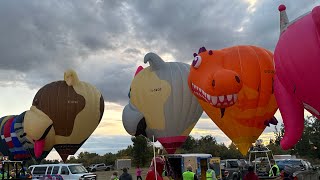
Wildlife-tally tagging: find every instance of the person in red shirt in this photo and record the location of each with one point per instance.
(251, 175)
(151, 175)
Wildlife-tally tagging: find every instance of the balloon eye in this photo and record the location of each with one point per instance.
(129, 93)
(197, 61)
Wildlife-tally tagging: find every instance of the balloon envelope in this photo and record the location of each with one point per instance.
(297, 82)
(234, 87)
(14, 143)
(63, 115)
(161, 105)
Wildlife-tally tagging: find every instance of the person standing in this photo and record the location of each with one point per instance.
(125, 175)
(211, 174)
(251, 175)
(138, 173)
(189, 175)
(114, 176)
(274, 171)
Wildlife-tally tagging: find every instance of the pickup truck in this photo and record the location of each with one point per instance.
(99, 167)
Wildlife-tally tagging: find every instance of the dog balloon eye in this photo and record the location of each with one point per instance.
(196, 62)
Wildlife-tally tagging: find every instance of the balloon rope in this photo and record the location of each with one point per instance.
(154, 160)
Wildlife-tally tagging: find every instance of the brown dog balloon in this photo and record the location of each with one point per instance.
(63, 115)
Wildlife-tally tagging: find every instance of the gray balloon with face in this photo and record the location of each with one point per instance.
(161, 104)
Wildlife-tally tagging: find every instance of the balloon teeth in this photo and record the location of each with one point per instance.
(223, 100)
(235, 97)
(229, 97)
(214, 100)
(208, 97)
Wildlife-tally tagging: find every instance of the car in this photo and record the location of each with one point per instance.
(231, 169)
(66, 171)
(99, 167)
(300, 164)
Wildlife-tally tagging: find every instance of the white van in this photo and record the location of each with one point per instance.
(67, 171)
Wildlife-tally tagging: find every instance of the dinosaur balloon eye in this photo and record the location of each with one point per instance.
(196, 62)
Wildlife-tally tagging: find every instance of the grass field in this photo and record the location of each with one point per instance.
(103, 175)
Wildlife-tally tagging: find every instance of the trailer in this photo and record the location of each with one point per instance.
(122, 163)
(199, 163)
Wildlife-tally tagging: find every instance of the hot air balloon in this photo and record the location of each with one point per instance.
(63, 115)
(161, 104)
(296, 84)
(235, 88)
(13, 142)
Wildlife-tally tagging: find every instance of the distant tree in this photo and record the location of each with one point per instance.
(207, 144)
(314, 137)
(278, 134)
(223, 151)
(141, 151)
(125, 153)
(44, 161)
(189, 144)
(72, 159)
(87, 158)
(276, 149)
(234, 153)
(109, 158)
(84, 155)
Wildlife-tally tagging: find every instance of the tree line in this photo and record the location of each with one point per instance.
(141, 152)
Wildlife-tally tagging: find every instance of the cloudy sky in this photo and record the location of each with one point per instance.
(105, 41)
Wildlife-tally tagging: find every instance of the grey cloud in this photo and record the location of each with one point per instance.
(132, 51)
(106, 41)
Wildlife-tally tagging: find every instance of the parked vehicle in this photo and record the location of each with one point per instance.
(231, 169)
(199, 163)
(99, 167)
(300, 164)
(67, 171)
(284, 156)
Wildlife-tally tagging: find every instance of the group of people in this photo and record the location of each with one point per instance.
(157, 169)
(124, 176)
(22, 174)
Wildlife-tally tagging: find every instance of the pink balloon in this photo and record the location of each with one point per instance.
(297, 81)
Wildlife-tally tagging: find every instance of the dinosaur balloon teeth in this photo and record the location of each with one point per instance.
(217, 101)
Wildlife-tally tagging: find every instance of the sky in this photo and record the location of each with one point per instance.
(105, 41)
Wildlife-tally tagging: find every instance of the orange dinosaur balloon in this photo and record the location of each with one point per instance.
(235, 88)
